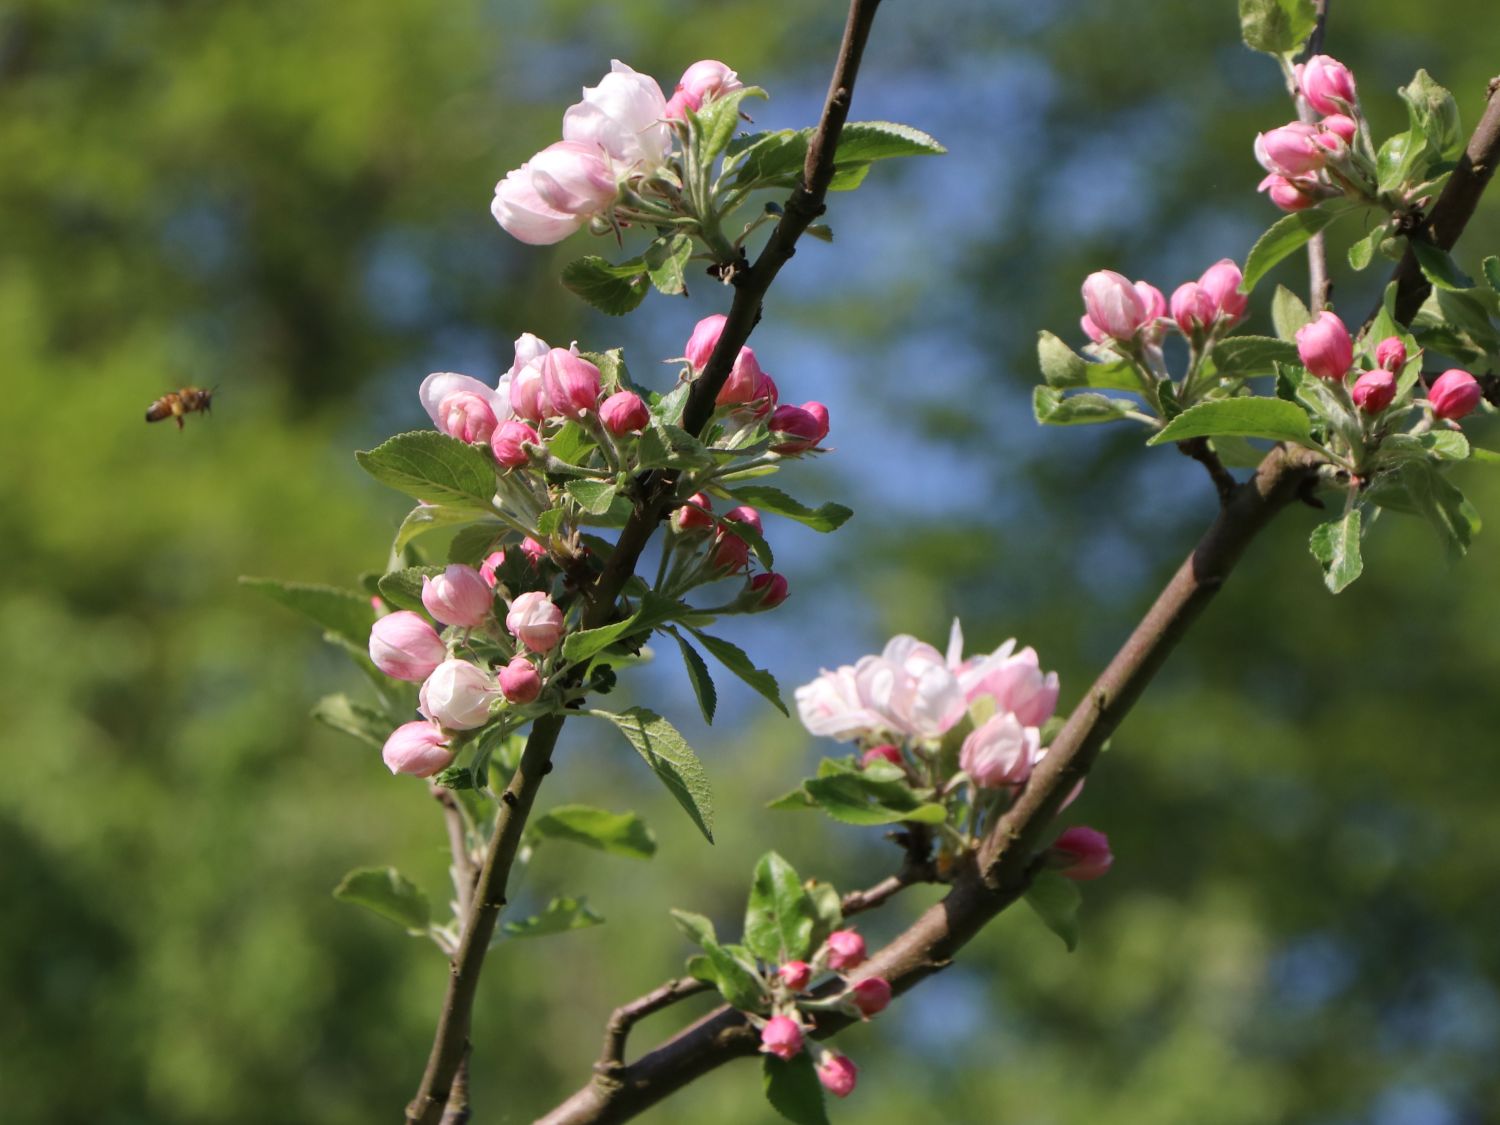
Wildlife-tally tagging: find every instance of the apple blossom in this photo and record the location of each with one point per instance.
(519, 681)
(871, 996)
(806, 425)
(535, 621)
(831, 707)
(1288, 194)
(573, 178)
(406, 647)
(705, 338)
(885, 752)
(771, 587)
(1290, 150)
(1327, 84)
(1015, 682)
(418, 749)
(795, 975)
(702, 82)
(461, 406)
(570, 384)
(1325, 347)
(910, 688)
(457, 695)
(509, 442)
(1341, 126)
(1113, 307)
(1192, 308)
(782, 1037)
(1374, 390)
(526, 216)
(729, 553)
(1454, 393)
(624, 412)
(1390, 353)
(1221, 282)
(625, 116)
(837, 1074)
(1000, 752)
(846, 949)
(1081, 854)
(694, 514)
(458, 596)
(492, 562)
(534, 551)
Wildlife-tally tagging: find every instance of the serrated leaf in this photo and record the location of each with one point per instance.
(602, 285)
(388, 893)
(1288, 314)
(433, 517)
(593, 496)
(1432, 110)
(1244, 357)
(856, 799)
(1445, 508)
(1438, 267)
(344, 613)
(471, 544)
(1062, 367)
(1056, 901)
(1336, 547)
(1362, 252)
(697, 929)
(1271, 418)
(670, 758)
(779, 916)
(666, 263)
(770, 159)
(864, 141)
(718, 120)
(403, 588)
(433, 468)
(703, 683)
(653, 610)
(793, 1089)
(733, 657)
(1277, 27)
(1284, 237)
(561, 915)
(624, 834)
(343, 714)
(1052, 408)
(824, 518)
(1491, 267)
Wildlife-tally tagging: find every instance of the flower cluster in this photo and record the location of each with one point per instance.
(613, 164)
(1307, 162)
(1128, 316)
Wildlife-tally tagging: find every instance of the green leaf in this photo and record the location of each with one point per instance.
(561, 915)
(344, 613)
(1336, 547)
(1446, 445)
(868, 796)
(1056, 901)
(703, 683)
(572, 443)
(825, 517)
(862, 142)
(653, 611)
(1432, 110)
(388, 893)
(770, 159)
(432, 517)
(623, 834)
(779, 917)
(593, 496)
(793, 1089)
(1277, 27)
(471, 544)
(1438, 267)
(604, 286)
(434, 468)
(1052, 408)
(828, 911)
(1063, 367)
(1491, 267)
(1284, 237)
(698, 929)
(719, 119)
(670, 758)
(734, 981)
(666, 263)
(1259, 417)
(1288, 314)
(403, 588)
(1362, 252)
(1445, 508)
(734, 658)
(1244, 357)
(364, 723)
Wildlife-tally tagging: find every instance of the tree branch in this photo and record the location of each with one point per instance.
(1202, 452)
(1318, 284)
(626, 1016)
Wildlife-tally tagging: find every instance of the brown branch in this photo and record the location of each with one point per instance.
(1455, 206)
(464, 869)
(626, 1016)
(457, 1111)
(1008, 858)
(1318, 284)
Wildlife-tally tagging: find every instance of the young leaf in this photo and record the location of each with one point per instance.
(670, 758)
(793, 1089)
(720, 118)
(779, 917)
(653, 611)
(1284, 237)
(1270, 418)
(364, 723)
(431, 517)
(703, 683)
(1244, 357)
(593, 496)
(344, 613)
(666, 262)
(864, 141)
(434, 468)
(623, 834)
(1438, 267)
(1491, 267)
(403, 588)
(854, 799)
(828, 911)
(1288, 314)
(825, 517)
(770, 159)
(1052, 408)
(561, 915)
(388, 893)
(471, 544)
(603, 285)
(733, 657)
(1336, 547)
(1277, 27)
(1062, 367)
(1362, 252)
(1056, 901)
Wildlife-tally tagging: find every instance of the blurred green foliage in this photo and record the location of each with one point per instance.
(287, 201)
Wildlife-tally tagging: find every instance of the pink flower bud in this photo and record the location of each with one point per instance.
(694, 515)
(766, 396)
(1289, 195)
(1454, 393)
(535, 621)
(467, 417)
(405, 647)
(528, 398)
(509, 441)
(624, 412)
(1327, 84)
(745, 378)
(744, 514)
(729, 554)
(492, 562)
(782, 1037)
(534, 551)
(1192, 308)
(795, 975)
(882, 753)
(806, 425)
(1373, 391)
(705, 81)
(1221, 283)
(704, 340)
(1000, 752)
(458, 596)
(457, 695)
(1113, 306)
(1156, 304)
(1081, 854)
(871, 996)
(418, 749)
(837, 1074)
(1291, 150)
(571, 383)
(846, 949)
(573, 178)
(461, 406)
(1390, 353)
(520, 681)
(771, 587)
(1341, 126)
(1325, 347)
(525, 215)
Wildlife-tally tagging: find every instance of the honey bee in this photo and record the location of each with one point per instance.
(175, 404)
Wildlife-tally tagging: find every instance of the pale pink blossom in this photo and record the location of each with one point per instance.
(404, 646)
(492, 562)
(1221, 283)
(624, 412)
(1291, 195)
(526, 216)
(703, 82)
(1291, 150)
(1000, 752)
(418, 749)
(831, 707)
(458, 596)
(461, 406)
(1114, 308)
(519, 681)
(1341, 126)
(535, 621)
(458, 695)
(626, 117)
(570, 384)
(704, 340)
(1327, 84)
(573, 178)
(911, 688)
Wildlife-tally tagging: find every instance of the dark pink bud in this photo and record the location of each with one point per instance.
(743, 514)
(519, 681)
(704, 340)
(838, 1075)
(846, 949)
(1454, 393)
(805, 425)
(871, 996)
(533, 551)
(1221, 283)
(1327, 84)
(1341, 126)
(729, 554)
(795, 975)
(744, 380)
(1374, 390)
(624, 412)
(1390, 353)
(782, 1037)
(1288, 194)
(509, 442)
(1192, 308)
(1082, 854)
(1325, 347)
(883, 753)
(694, 515)
(771, 587)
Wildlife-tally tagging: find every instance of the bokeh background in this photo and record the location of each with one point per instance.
(289, 202)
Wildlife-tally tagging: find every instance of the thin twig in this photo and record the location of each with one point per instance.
(457, 1111)
(626, 1016)
(464, 869)
(1202, 452)
(1318, 284)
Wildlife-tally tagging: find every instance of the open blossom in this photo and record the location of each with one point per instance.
(458, 695)
(1000, 752)
(782, 1037)
(535, 621)
(837, 1074)
(461, 406)
(625, 116)
(418, 749)
(911, 689)
(526, 216)
(573, 178)
(404, 646)
(1013, 679)
(1325, 347)
(830, 707)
